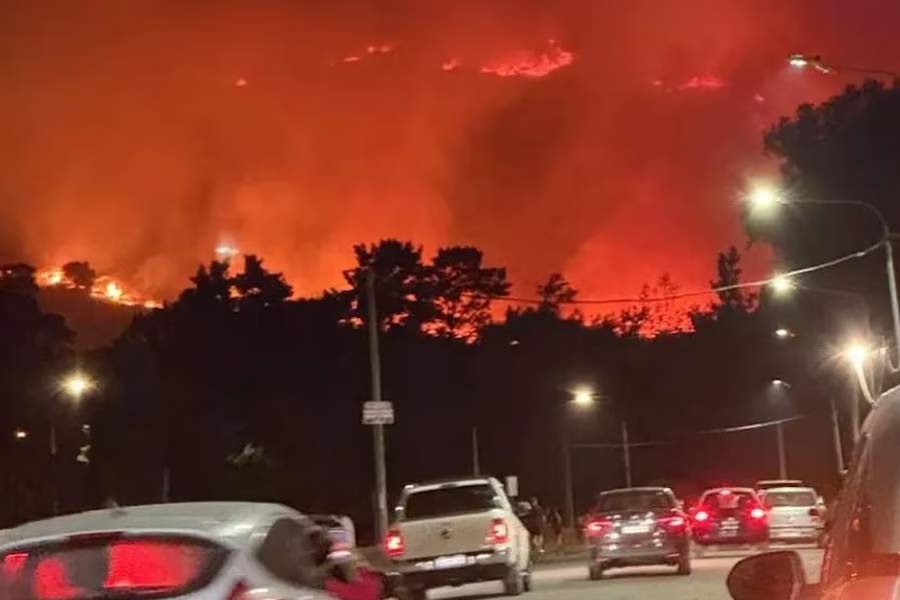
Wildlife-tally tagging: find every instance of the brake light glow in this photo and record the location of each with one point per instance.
(394, 545)
(675, 523)
(701, 516)
(13, 564)
(596, 526)
(499, 532)
(758, 513)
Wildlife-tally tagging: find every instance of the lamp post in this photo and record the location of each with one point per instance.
(582, 397)
(766, 197)
(73, 387)
(802, 61)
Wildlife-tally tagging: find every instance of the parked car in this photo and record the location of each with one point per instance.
(457, 532)
(638, 527)
(200, 551)
(795, 514)
(730, 517)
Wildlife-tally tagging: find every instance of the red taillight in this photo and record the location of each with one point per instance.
(596, 526)
(701, 516)
(394, 545)
(499, 532)
(240, 592)
(13, 564)
(758, 513)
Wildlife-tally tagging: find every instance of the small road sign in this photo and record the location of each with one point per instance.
(378, 413)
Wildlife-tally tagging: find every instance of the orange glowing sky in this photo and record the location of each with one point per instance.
(139, 135)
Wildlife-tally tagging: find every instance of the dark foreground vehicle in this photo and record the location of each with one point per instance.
(637, 527)
(862, 554)
(730, 517)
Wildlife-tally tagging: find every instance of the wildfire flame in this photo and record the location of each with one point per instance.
(104, 288)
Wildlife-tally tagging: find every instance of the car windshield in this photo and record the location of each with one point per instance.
(635, 500)
(728, 500)
(425, 504)
(788, 498)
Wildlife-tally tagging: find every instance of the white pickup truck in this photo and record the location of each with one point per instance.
(458, 532)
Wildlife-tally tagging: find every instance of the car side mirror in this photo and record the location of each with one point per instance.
(769, 576)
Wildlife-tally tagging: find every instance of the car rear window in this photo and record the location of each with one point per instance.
(453, 500)
(636, 500)
(110, 567)
(787, 498)
(728, 500)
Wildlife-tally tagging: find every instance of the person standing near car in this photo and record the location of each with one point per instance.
(534, 522)
(555, 523)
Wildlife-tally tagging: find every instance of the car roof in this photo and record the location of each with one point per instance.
(882, 427)
(230, 523)
(780, 482)
(448, 483)
(637, 489)
(791, 490)
(740, 490)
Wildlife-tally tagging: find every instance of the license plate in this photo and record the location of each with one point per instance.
(632, 529)
(728, 532)
(450, 562)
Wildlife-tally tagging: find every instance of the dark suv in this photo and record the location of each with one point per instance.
(635, 527)
(730, 517)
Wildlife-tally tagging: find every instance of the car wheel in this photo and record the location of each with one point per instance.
(684, 563)
(595, 572)
(514, 582)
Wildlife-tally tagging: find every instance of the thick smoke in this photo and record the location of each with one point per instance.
(138, 135)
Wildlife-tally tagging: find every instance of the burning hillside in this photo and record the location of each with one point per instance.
(102, 287)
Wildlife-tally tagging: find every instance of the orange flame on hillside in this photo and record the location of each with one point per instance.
(104, 288)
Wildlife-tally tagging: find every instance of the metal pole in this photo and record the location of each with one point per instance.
(54, 471)
(166, 484)
(568, 484)
(892, 286)
(378, 429)
(836, 436)
(476, 462)
(782, 459)
(854, 413)
(626, 454)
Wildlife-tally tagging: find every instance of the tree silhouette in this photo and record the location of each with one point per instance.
(555, 293)
(732, 301)
(80, 274)
(463, 290)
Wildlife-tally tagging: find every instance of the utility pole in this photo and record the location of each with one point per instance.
(567, 472)
(836, 436)
(54, 467)
(854, 413)
(626, 454)
(782, 459)
(378, 429)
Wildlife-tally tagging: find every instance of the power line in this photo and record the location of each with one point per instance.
(693, 294)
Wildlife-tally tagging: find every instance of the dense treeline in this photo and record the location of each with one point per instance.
(236, 390)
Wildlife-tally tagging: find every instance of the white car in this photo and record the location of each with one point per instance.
(795, 514)
(191, 551)
(458, 532)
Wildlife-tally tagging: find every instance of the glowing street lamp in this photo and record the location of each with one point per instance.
(856, 355)
(583, 397)
(782, 333)
(20, 434)
(801, 61)
(780, 383)
(764, 197)
(77, 385)
(781, 284)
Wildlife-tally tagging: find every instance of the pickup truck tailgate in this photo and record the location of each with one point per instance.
(453, 534)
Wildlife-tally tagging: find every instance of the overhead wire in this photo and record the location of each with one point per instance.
(696, 293)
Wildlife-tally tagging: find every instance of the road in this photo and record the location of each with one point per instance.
(568, 581)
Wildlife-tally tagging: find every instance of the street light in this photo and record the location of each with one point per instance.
(781, 383)
(583, 397)
(20, 434)
(782, 333)
(765, 196)
(801, 61)
(76, 385)
(856, 354)
(781, 284)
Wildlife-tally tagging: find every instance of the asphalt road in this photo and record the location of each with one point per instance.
(567, 580)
